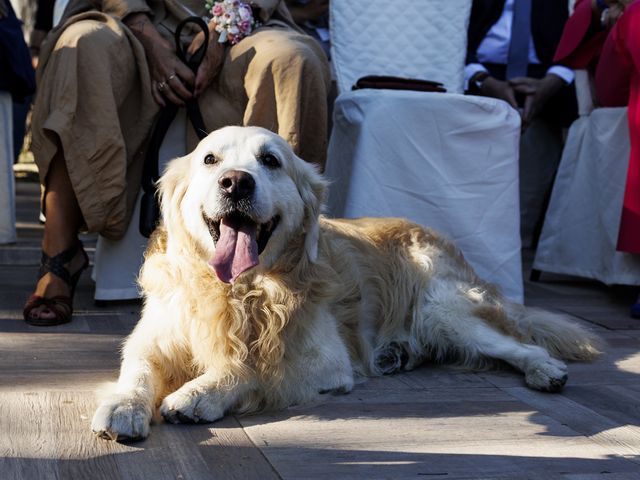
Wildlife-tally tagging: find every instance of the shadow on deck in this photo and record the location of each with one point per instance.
(435, 422)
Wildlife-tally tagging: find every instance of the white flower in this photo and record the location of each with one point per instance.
(245, 13)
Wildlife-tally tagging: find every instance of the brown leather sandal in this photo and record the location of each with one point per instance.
(61, 305)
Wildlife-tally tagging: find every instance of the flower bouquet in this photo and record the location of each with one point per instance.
(233, 19)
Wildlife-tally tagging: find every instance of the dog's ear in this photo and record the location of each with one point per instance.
(312, 187)
(172, 188)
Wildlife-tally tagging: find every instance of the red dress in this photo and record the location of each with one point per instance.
(615, 57)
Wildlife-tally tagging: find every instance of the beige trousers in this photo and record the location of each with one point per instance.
(94, 106)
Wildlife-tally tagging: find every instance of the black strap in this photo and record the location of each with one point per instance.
(149, 208)
(193, 62)
(56, 264)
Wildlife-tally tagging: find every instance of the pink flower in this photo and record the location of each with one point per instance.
(233, 19)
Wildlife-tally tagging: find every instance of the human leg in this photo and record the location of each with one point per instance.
(64, 219)
(85, 162)
(540, 151)
(618, 84)
(285, 89)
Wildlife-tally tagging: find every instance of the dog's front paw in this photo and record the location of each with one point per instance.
(190, 406)
(122, 418)
(549, 375)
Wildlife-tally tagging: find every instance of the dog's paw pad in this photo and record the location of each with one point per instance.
(341, 390)
(176, 416)
(189, 408)
(121, 419)
(117, 437)
(548, 376)
(391, 358)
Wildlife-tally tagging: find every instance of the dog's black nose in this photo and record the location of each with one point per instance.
(237, 185)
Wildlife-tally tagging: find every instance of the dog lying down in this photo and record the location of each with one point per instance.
(253, 301)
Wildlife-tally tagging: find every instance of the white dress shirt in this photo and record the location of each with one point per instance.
(494, 48)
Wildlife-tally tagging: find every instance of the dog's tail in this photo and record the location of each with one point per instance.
(561, 337)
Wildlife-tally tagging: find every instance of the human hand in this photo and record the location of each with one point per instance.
(171, 79)
(212, 61)
(492, 87)
(608, 17)
(615, 12)
(537, 93)
(35, 40)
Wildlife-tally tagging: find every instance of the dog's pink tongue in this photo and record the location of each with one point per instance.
(236, 250)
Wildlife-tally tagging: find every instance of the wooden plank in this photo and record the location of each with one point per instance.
(393, 441)
(618, 366)
(48, 435)
(457, 433)
(230, 452)
(616, 402)
(44, 361)
(45, 440)
(602, 475)
(441, 376)
(25, 444)
(450, 395)
(433, 422)
(622, 438)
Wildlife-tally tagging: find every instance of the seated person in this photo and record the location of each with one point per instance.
(103, 76)
(313, 17)
(510, 57)
(17, 82)
(604, 37)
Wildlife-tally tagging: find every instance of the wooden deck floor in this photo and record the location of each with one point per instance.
(430, 423)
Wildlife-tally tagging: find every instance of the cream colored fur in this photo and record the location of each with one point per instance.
(331, 302)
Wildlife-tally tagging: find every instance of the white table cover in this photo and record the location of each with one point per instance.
(446, 161)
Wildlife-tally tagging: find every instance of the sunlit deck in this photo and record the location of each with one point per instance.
(430, 423)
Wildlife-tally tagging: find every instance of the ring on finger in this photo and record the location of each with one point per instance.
(172, 76)
(161, 85)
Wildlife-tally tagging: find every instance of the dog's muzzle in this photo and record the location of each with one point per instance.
(239, 240)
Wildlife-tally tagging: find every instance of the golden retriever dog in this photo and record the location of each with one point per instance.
(254, 301)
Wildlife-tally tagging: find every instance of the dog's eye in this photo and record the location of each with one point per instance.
(210, 159)
(269, 160)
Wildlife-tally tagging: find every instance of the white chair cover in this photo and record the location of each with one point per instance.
(379, 37)
(117, 263)
(446, 161)
(7, 185)
(580, 230)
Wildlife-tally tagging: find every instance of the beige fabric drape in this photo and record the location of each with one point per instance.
(94, 103)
